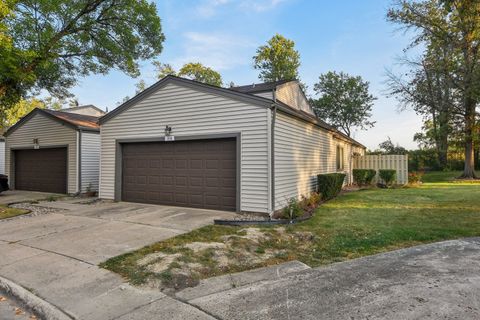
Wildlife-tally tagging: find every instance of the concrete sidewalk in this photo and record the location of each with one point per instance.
(55, 256)
(435, 281)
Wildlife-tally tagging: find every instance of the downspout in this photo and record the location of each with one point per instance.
(272, 151)
(79, 161)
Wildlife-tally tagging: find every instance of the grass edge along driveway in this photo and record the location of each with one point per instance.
(353, 225)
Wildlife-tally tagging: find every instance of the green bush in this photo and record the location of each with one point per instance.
(293, 209)
(359, 176)
(387, 175)
(363, 176)
(370, 176)
(330, 185)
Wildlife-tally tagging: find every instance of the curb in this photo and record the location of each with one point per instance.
(38, 306)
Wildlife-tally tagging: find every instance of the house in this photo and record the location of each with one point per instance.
(54, 151)
(248, 148)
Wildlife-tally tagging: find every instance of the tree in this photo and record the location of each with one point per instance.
(164, 69)
(199, 72)
(21, 108)
(277, 60)
(453, 24)
(192, 70)
(50, 44)
(388, 147)
(430, 92)
(344, 101)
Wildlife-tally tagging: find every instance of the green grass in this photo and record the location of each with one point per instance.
(6, 212)
(441, 176)
(353, 225)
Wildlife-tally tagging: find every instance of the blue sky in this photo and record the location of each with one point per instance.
(351, 36)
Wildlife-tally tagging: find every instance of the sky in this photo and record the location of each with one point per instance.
(346, 35)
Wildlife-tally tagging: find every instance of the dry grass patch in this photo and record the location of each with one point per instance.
(353, 225)
(6, 212)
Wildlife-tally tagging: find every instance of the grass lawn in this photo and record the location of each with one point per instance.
(6, 212)
(353, 225)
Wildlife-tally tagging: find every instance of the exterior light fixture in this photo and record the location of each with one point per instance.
(168, 130)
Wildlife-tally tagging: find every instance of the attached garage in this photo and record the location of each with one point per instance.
(248, 149)
(53, 151)
(198, 173)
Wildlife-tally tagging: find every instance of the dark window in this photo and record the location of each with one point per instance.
(340, 158)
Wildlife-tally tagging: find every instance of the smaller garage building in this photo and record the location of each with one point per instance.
(54, 151)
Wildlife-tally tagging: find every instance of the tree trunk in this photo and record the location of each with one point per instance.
(442, 139)
(469, 169)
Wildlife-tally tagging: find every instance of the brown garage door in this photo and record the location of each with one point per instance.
(41, 170)
(197, 173)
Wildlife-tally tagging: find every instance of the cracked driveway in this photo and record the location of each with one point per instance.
(55, 255)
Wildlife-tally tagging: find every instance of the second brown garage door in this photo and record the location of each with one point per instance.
(197, 173)
(41, 170)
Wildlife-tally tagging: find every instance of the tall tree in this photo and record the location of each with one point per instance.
(192, 70)
(344, 101)
(277, 60)
(428, 89)
(454, 24)
(198, 72)
(50, 44)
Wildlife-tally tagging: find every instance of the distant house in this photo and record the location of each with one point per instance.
(54, 151)
(248, 148)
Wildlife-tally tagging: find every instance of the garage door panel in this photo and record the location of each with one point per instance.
(41, 170)
(199, 173)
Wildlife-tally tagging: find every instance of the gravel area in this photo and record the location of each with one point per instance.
(34, 210)
(251, 216)
(12, 310)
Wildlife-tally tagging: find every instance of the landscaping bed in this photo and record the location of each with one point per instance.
(7, 212)
(352, 225)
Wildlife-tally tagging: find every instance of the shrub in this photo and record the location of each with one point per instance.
(293, 209)
(359, 176)
(363, 176)
(387, 175)
(330, 185)
(370, 176)
(415, 177)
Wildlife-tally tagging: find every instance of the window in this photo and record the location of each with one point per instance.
(340, 159)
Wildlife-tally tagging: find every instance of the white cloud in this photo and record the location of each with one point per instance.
(260, 5)
(220, 51)
(210, 8)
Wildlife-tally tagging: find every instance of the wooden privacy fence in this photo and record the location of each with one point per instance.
(377, 162)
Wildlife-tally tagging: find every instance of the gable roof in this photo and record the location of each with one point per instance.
(84, 107)
(259, 87)
(73, 120)
(245, 94)
(186, 83)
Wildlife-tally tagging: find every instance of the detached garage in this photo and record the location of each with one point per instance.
(248, 148)
(53, 151)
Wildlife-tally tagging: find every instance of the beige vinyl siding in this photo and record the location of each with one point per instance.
(266, 95)
(190, 112)
(303, 150)
(90, 160)
(2, 157)
(291, 94)
(49, 133)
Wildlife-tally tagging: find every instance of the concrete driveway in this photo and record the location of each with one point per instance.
(55, 255)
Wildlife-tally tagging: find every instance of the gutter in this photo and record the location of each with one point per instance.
(272, 151)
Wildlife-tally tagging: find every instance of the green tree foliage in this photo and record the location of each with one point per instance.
(192, 70)
(198, 72)
(50, 44)
(344, 101)
(277, 60)
(452, 24)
